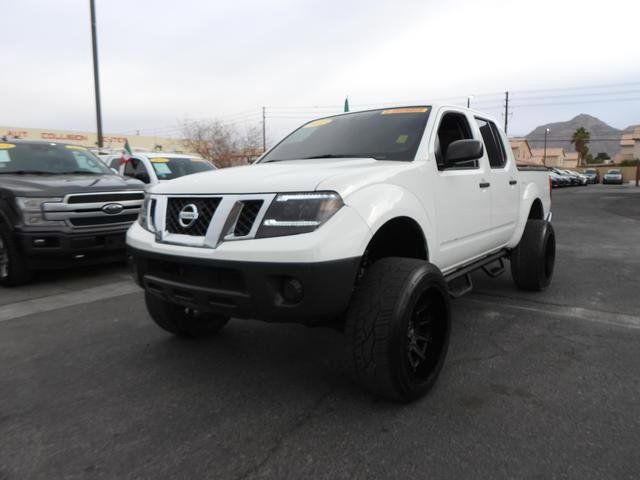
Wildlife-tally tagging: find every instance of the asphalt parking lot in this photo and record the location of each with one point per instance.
(535, 385)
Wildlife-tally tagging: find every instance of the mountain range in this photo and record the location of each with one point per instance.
(604, 138)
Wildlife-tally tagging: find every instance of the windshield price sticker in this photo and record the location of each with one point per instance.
(75, 147)
(394, 111)
(159, 160)
(4, 156)
(6, 146)
(162, 169)
(402, 139)
(318, 123)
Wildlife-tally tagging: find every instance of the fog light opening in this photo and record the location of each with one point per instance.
(292, 290)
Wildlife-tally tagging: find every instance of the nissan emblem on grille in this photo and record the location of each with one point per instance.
(112, 208)
(188, 215)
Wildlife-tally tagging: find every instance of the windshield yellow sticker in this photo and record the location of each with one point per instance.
(402, 139)
(6, 146)
(318, 123)
(75, 147)
(393, 111)
(159, 160)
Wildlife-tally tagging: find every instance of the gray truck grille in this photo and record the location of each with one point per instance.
(205, 208)
(84, 210)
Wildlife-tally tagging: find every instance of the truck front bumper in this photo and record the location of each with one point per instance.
(307, 293)
(47, 250)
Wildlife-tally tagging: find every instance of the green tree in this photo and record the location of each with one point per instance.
(579, 139)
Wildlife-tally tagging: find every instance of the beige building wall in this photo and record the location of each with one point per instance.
(113, 142)
(554, 157)
(522, 151)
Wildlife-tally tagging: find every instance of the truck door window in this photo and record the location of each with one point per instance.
(492, 143)
(453, 126)
(135, 168)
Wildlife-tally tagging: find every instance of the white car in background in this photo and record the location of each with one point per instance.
(154, 167)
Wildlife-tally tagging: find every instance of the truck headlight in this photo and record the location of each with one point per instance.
(293, 213)
(31, 209)
(147, 214)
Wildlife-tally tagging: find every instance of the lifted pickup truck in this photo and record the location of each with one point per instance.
(368, 220)
(60, 206)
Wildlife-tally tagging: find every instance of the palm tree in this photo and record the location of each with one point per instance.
(580, 138)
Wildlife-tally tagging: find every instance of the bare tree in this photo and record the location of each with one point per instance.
(222, 144)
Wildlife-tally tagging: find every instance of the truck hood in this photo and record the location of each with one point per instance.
(342, 175)
(60, 185)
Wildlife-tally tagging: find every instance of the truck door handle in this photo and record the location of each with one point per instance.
(485, 184)
(512, 182)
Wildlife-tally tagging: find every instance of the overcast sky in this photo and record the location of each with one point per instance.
(162, 61)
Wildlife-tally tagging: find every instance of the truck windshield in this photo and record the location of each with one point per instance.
(167, 168)
(389, 134)
(49, 158)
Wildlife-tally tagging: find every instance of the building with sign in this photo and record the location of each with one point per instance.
(112, 142)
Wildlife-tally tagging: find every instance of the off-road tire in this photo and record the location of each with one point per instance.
(17, 272)
(182, 321)
(382, 309)
(532, 261)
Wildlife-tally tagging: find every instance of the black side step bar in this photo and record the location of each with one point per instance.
(466, 271)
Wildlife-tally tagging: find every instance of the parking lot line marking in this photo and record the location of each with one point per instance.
(67, 299)
(598, 316)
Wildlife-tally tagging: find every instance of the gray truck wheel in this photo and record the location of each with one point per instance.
(398, 326)
(182, 321)
(13, 271)
(532, 261)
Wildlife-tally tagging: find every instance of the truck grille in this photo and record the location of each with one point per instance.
(247, 217)
(108, 209)
(207, 221)
(202, 209)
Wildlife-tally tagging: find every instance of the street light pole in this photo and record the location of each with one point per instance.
(544, 158)
(96, 79)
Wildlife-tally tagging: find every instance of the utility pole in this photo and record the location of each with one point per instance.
(96, 79)
(264, 130)
(544, 158)
(506, 111)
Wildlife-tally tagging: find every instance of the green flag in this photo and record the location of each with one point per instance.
(346, 104)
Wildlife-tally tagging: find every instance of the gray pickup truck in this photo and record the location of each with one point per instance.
(60, 206)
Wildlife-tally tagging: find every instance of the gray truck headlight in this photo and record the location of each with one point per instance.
(31, 209)
(293, 213)
(146, 215)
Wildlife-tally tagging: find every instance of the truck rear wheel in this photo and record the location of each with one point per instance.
(182, 321)
(398, 325)
(532, 261)
(13, 270)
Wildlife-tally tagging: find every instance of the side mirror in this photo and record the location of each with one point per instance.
(462, 151)
(142, 176)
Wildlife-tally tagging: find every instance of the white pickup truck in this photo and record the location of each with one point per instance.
(368, 221)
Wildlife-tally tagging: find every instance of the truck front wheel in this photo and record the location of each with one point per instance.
(398, 327)
(532, 261)
(182, 321)
(13, 270)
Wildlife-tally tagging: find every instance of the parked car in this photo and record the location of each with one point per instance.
(565, 180)
(365, 220)
(151, 168)
(556, 180)
(60, 206)
(613, 176)
(592, 174)
(578, 178)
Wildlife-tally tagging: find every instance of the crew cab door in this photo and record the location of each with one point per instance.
(503, 177)
(462, 199)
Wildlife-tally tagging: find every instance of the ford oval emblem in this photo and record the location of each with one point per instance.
(188, 215)
(112, 208)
